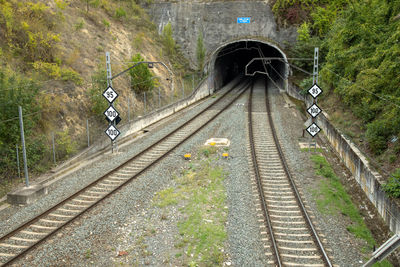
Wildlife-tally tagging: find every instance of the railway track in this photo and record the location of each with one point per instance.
(29, 235)
(291, 237)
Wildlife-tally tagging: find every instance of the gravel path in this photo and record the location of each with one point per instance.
(128, 221)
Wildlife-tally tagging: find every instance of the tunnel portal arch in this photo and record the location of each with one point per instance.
(230, 59)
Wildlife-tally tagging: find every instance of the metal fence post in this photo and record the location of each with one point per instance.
(133, 103)
(144, 96)
(19, 169)
(54, 147)
(21, 123)
(159, 97)
(129, 110)
(88, 134)
(183, 89)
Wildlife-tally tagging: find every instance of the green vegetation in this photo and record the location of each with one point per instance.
(141, 77)
(106, 23)
(168, 39)
(54, 71)
(120, 13)
(18, 91)
(208, 150)
(392, 187)
(34, 48)
(65, 144)
(384, 263)
(95, 93)
(79, 25)
(359, 52)
(201, 193)
(166, 197)
(333, 199)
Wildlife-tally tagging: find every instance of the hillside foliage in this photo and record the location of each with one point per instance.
(18, 91)
(141, 77)
(38, 64)
(359, 52)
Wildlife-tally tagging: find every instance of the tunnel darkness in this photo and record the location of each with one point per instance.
(232, 59)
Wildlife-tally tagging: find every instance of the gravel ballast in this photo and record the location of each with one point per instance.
(129, 229)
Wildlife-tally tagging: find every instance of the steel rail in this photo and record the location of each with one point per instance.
(293, 185)
(258, 178)
(43, 214)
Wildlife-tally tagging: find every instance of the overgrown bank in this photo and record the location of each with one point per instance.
(359, 58)
(52, 64)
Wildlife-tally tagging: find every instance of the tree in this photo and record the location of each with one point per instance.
(141, 77)
(168, 40)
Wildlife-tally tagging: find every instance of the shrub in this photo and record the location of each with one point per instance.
(98, 103)
(120, 13)
(141, 77)
(106, 23)
(303, 32)
(392, 187)
(79, 25)
(377, 134)
(18, 91)
(28, 30)
(168, 40)
(65, 145)
(61, 4)
(68, 74)
(54, 71)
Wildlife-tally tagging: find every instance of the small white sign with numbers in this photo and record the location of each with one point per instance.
(110, 94)
(315, 91)
(313, 129)
(314, 110)
(111, 113)
(112, 132)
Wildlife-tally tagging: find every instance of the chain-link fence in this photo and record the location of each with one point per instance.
(73, 136)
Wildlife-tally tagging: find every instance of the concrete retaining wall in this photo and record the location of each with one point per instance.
(369, 180)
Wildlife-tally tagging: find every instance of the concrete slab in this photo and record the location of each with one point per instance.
(308, 145)
(218, 142)
(26, 195)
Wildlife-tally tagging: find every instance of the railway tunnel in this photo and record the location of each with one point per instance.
(243, 58)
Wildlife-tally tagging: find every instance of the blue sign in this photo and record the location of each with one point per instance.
(243, 20)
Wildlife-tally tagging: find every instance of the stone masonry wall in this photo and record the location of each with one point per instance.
(218, 23)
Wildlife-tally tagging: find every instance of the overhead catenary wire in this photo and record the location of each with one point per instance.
(269, 63)
(26, 115)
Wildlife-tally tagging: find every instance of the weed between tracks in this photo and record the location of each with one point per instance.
(201, 194)
(333, 199)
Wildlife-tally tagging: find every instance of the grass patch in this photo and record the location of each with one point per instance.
(312, 149)
(384, 263)
(166, 197)
(333, 199)
(208, 150)
(202, 231)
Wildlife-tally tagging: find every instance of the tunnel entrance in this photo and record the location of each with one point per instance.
(235, 59)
